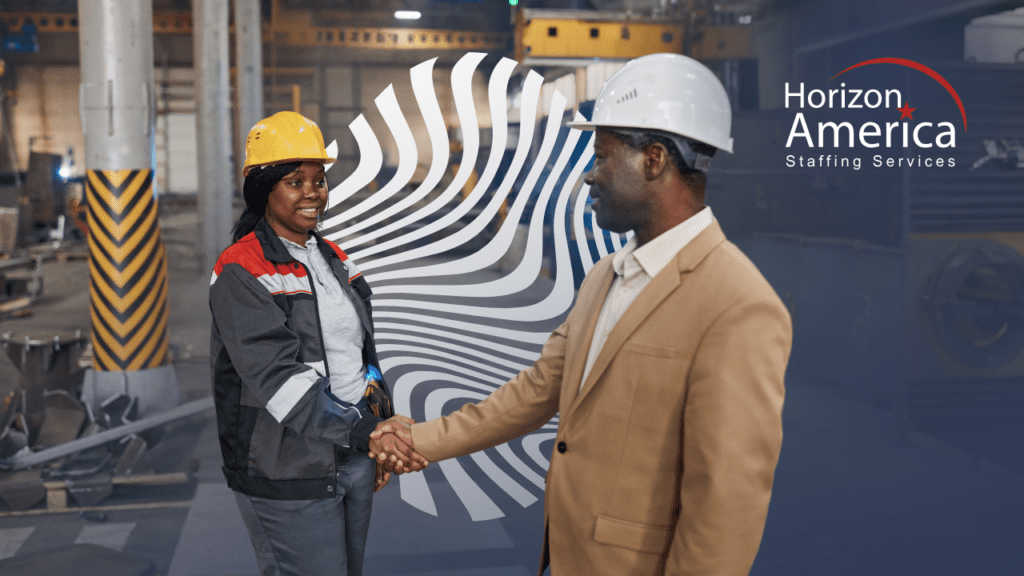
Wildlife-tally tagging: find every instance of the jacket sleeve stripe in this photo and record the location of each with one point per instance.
(284, 284)
(320, 368)
(353, 271)
(289, 394)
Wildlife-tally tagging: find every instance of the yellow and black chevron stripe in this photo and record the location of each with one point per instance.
(128, 271)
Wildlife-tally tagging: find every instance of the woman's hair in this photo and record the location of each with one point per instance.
(256, 191)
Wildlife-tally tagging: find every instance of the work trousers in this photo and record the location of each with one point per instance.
(314, 537)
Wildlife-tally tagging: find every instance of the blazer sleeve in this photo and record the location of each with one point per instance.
(518, 407)
(264, 351)
(732, 434)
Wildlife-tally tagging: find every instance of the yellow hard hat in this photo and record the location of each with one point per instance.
(284, 137)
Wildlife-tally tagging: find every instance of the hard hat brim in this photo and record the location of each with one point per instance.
(590, 126)
(327, 160)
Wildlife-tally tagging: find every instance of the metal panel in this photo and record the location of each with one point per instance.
(724, 43)
(387, 38)
(546, 37)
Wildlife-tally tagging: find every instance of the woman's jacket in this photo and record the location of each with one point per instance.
(279, 426)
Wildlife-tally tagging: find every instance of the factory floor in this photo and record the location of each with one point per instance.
(855, 492)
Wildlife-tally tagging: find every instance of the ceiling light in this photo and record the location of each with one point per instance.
(407, 14)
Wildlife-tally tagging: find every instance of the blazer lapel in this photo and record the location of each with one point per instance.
(666, 282)
(578, 340)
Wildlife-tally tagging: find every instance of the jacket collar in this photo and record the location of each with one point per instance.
(275, 251)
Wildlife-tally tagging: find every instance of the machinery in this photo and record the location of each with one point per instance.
(964, 273)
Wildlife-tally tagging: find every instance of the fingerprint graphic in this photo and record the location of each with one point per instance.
(460, 301)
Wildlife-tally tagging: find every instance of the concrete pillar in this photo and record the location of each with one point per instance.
(127, 262)
(213, 128)
(249, 54)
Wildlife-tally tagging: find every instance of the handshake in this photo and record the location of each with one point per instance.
(391, 445)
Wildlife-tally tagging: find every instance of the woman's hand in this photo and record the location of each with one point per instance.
(391, 445)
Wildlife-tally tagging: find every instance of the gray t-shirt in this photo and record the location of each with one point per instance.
(342, 331)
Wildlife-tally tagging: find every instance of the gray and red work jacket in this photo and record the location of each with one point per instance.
(279, 426)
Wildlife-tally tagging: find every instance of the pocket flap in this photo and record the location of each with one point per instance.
(640, 537)
(649, 349)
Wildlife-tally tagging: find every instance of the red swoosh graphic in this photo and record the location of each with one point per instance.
(919, 67)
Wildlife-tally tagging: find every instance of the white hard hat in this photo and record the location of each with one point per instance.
(668, 92)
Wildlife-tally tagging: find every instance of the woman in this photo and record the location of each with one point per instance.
(292, 345)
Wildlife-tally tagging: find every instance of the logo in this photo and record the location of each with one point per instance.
(897, 142)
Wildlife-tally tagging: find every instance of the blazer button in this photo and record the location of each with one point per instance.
(562, 447)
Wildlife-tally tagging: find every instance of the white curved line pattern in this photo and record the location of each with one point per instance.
(423, 88)
(387, 102)
(498, 245)
(371, 159)
(463, 298)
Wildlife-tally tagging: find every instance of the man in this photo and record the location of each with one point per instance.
(667, 373)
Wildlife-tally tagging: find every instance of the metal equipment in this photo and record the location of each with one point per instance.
(45, 363)
(547, 36)
(24, 461)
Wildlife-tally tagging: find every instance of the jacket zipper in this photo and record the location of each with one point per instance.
(327, 369)
(323, 347)
(319, 326)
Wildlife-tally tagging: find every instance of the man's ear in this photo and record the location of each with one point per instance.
(656, 160)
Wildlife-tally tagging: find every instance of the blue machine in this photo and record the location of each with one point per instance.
(23, 41)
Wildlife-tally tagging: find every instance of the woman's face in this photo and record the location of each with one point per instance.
(297, 201)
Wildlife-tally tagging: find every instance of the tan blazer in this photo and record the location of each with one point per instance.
(663, 462)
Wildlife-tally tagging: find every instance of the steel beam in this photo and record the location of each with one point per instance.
(249, 50)
(553, 34)
(213, 128)
(176, 22)
(167, 22)
(387, 38)
(111, 435)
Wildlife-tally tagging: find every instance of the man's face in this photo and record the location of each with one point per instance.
(617, 185)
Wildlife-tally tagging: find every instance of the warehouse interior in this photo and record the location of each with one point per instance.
(903, 437)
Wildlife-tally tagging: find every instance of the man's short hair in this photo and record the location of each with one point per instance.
(639, 140)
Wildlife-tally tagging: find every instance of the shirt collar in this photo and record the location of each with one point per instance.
(310, 243)
(274, 248)
(656, 254)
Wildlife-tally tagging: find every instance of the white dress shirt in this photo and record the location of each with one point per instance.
(634, 268)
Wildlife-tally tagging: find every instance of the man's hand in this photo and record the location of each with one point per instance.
(382, 477)
(391, 445)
